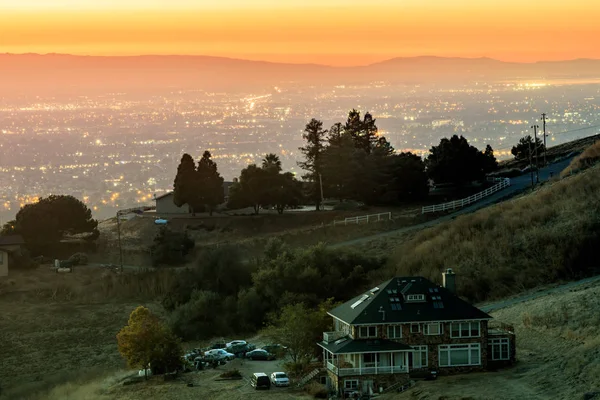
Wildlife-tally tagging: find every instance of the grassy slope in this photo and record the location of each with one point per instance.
(539, 238)
(589, 157)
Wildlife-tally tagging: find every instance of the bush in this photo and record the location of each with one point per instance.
(79, 259)
(170, 248)
(348, 206)
(233, 373)
(316, 390)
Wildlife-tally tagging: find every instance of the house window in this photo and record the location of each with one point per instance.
(419, 356)
(434, 328)
(394, 332)
(415, 328)
(351, 384)
(464, 329)
(500, 349)
(457, 355)
(366, 332)
(369, 358)
(415, 297)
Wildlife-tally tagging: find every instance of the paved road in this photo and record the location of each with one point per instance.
(518, 184)
(526, 297)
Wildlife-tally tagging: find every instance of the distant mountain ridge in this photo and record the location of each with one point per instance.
(62, 72)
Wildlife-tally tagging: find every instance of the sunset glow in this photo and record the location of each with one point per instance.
(330, 32)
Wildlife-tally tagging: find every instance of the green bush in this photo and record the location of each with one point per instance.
(170, 248)
(79, 259)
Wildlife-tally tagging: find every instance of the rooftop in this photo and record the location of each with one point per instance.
(346, 346)
(406, 299)
(11, 240)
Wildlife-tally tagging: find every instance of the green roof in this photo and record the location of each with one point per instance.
(347, 346)
(388, 304)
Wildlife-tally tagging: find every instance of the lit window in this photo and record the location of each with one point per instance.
(415, 297)
(456, 355)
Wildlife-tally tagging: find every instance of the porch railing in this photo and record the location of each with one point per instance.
(332, 336)
(367, 370)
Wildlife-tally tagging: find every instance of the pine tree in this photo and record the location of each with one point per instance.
(185, 188)
(210, 183)
(313, 151)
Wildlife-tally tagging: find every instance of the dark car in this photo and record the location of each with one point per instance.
(260, 354)
(277, 349)
(240, 349)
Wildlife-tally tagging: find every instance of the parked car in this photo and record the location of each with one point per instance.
(240, 349)
(260, 380)
(218, 345)
(219, 354)
(234, 343)
(280, 379)
(260, 354)
(276, 349)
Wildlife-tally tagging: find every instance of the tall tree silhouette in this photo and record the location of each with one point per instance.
(185, 187)
(210, 183)
(313, 152)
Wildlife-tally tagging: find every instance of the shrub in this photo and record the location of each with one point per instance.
(316, 390)
(233, 373)
(79, 259)
(170, 248)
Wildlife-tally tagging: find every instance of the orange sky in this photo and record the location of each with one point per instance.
(335, 32)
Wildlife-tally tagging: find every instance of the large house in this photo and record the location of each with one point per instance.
(10, 246)
(410, 325)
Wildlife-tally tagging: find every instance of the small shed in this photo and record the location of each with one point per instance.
(9, 247)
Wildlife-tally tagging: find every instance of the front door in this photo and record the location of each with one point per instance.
(410, 360)
(367, 387)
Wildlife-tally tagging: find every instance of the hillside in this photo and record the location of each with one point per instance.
(62, 73)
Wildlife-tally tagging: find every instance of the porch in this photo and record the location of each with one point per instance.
(357, 364)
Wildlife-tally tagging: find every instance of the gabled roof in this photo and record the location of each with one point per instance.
(11, 240)
(387, 304)
(347, 346)
(163, 195)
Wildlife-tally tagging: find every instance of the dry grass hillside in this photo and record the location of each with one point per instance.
(589, 157)
(558, 348)
(547, 236)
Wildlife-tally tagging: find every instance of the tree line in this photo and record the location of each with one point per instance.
(349, 161)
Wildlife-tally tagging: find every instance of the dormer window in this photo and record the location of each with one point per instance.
(415, 297)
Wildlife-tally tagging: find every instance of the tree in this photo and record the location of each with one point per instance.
(408, 179)
(313, 152)
(490, 164)
(170, 248)
(271, 162)
(185, 187)
(250, 189)
(210, 183)
(299, 328)
(455, 161)
(145, 342)
(47, 222)
(285, 191)
(521, 150)
(9, 228)
(363, 132)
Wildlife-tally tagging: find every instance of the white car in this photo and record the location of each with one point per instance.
(220, 354)
(235, 343)
(280, 379)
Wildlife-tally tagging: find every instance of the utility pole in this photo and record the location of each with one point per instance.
(544, 125)
(537, 169)
(119, 236)
(530, 166)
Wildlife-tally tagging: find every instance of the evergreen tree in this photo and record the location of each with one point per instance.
(210, 183)
(313, 152)
(185, 187)
(521, 150)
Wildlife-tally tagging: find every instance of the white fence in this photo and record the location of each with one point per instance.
(365, 218)
(502, 183)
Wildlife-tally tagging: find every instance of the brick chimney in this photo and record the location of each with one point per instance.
(449, 279)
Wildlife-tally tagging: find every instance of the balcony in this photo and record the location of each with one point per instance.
(370, 370)
(329, 337)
